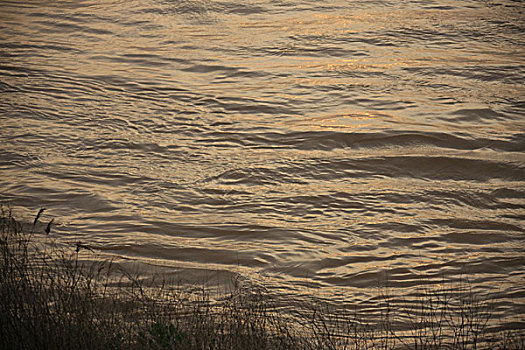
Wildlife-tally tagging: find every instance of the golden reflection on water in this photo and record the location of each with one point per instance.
(351, 120)
(307, 143)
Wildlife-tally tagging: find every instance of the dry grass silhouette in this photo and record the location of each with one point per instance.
(49, 299)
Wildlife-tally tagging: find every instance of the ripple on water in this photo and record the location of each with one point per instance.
(304, 145)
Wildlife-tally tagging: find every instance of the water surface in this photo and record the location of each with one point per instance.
(317, 147)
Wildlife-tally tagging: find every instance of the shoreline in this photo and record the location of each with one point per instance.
(51, 299)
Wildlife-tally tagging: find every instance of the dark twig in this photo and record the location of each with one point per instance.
(48, 228)
(38, 217)
(83, 246)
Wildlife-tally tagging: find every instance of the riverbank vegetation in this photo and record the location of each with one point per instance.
(52, 299)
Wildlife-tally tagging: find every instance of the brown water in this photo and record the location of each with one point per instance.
(313, 146)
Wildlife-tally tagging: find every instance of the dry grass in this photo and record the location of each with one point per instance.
(50, 300)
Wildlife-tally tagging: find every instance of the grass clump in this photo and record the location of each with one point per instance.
(49, 299)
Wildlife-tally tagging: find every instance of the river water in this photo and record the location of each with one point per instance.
(311, 146)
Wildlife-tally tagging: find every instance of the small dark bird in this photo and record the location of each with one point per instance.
(38, 216)
(48, 228)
